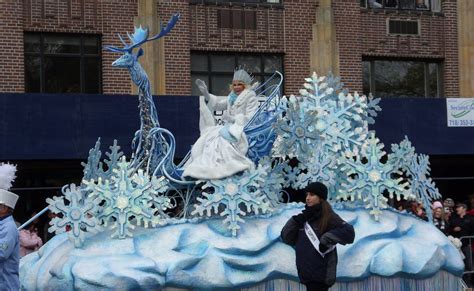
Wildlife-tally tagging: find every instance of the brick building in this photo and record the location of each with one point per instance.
(415, 45)
(392, 48)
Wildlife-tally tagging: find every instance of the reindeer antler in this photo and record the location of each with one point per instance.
(140, 36)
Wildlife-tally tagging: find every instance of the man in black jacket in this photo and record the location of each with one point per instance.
(315, 233)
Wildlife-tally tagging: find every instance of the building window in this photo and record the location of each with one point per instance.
(402, 78)
(62, 63)
(237, 19)
(217, 69)
(430, 5)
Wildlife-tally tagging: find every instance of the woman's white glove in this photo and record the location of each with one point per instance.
(203, 88)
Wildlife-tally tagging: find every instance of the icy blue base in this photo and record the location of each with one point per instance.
(202, 254)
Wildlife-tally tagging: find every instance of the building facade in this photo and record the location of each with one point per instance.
(387, 47)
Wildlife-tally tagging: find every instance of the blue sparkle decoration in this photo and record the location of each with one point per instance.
(367, 178)
(76, 211)
(128, 197)
(233, 198)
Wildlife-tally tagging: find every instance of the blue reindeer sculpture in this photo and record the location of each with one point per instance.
(149, 149)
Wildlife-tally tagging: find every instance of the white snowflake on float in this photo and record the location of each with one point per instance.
(75, 211)
(94, 168)
(421, 185)
(342, 119)
(402, 154)
(368, 178)
(274, 180)
(128, 198)
(296, 135)
(321, 166)
(416, 167)
(233, 197)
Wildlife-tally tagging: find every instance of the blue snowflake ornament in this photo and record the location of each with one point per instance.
(128, 197)
(342, 118)
(233, 198)
(78, 214)
(421, 185)
(320, 166)
(296, 134)
(93, 167)
(402, 154)
(274, 180)
(368, 178)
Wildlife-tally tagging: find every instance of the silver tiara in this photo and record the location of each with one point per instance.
(242, 75)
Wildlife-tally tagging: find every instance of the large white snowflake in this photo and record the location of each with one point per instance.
(295, 131)
(416, 167)
(342, 119)
(233, 197)
(274, 180)
(368, 178)
(76, 215)
(128, 199)
(321, 166)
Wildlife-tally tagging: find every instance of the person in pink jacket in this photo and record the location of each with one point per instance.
(29, 240)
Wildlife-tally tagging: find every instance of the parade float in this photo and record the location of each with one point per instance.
(135, 223)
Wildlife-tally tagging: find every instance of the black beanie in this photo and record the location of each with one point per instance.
(319, 189)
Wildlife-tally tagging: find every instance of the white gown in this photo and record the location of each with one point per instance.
(213, 156)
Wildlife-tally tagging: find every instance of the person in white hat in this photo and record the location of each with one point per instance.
(221, 150)
(9, 239)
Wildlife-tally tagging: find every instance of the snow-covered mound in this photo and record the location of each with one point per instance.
(201, 254)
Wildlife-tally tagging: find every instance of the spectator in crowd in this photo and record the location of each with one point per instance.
(29, 238)
(417, 209)
(439, 219)
(461, 225)
(448, 208)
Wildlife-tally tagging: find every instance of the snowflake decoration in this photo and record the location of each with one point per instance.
(113, 158)
(295, 132)
(238, 195)
(421, 184)
(291, 175)
(93, 166)
(78, 214)
(274, 180)
(128, 199)
(368, 178)
(342, 119)
(402, 154)
(321, 167)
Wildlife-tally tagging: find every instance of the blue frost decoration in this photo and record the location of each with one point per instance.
(294, 129)
(321, 167)
(93, 166)
(237, 195)
(417, 168)
(368, 178)
(128, 197)
(78, 213)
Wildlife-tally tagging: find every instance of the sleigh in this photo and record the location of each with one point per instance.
(259, 131)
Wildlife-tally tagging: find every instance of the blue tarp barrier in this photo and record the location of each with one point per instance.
(66, 126)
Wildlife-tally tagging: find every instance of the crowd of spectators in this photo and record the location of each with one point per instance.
(452, 218)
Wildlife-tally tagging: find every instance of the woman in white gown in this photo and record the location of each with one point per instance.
(221, 150)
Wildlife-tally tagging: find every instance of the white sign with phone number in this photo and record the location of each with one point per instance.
(460, 112)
